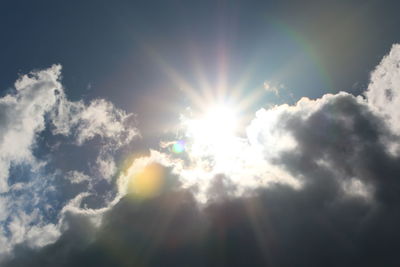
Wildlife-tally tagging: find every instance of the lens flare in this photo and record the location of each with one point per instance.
(178, 147)
(148, 182)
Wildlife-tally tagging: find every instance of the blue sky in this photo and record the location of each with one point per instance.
(105, 48)
(112, 111)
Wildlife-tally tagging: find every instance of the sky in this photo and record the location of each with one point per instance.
(199, 133)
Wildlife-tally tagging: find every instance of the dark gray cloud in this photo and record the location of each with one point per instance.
(323, 223)
(342, 150)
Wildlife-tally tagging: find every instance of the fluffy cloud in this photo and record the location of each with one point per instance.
(383, 92)
(313, 184)
(33, 193)
(22, 117)
(99, 118)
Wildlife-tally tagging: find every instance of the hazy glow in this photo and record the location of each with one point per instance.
(147, 182)
(217, 140)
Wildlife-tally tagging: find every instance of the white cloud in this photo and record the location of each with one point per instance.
(106, 166)
(4, 212)
(29, 228)
(99, 118)
(22, 117)
(77, 177)
(383, 93)
(39, 101)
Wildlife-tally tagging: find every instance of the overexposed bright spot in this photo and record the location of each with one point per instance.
(212, 143)
(214, 126)
(213, 133)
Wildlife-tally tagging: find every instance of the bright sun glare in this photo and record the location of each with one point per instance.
(217, 124)
(213, 133)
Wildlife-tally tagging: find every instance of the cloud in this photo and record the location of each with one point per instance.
(272, 87)
(77, 177)
(99, 118)
(106, 166)
(34, 190)
(312, 184)
(22, 117)
(383, 94)
(383, 91)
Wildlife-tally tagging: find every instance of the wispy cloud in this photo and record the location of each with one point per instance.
(30, 208)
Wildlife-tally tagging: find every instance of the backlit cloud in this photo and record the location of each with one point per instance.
(310, 184)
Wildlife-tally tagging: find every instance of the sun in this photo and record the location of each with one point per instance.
(215, 125)
(213, 133)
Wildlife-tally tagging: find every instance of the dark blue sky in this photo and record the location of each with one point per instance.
(113, 49)
(109, 177)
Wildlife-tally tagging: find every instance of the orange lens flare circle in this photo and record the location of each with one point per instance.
(148, 182)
